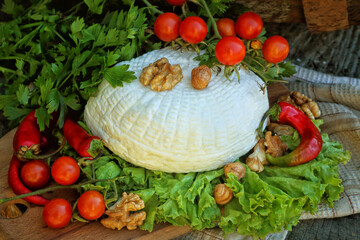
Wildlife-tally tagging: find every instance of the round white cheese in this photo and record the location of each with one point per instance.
(184, 129)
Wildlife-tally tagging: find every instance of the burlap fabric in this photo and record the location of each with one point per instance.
(339, 102)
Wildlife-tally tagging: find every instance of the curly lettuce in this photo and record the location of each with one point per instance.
(263, 203)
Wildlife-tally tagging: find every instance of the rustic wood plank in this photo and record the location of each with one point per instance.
(321, 12)
(326, 15)
(276, 90)
(290, 11)
(165, 233)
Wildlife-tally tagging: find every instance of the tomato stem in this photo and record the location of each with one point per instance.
(30, 155)
(213, 23)
(49, 189)
(237, 73)
(152, 8)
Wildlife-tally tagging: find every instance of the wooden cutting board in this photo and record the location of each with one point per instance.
(31, 226)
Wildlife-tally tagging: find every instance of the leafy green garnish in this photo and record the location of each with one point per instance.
(55, 63)
(263, 203)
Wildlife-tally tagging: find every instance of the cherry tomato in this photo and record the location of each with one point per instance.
(91, 205)
(176, 2)
(57, 213)
(275, 49)
(193, 29)
(249, 25)
(65, 170)
(230, 50)
(35, 174)
(226, 27)
(167, 26)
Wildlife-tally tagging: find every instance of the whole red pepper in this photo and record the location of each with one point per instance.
(83, 143)
(18, 187)
(311, 140)
(44, 141)
(26, 141)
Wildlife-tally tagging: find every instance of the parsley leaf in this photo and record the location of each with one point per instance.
(22, 94)
(118, 74)
(95, 6)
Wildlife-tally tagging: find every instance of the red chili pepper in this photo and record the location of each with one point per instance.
(26, 141)
(44, 141)
(311, 140)
(83, 143)
(18, 187)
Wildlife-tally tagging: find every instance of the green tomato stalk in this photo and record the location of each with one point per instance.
(50, 189)
(213, 23)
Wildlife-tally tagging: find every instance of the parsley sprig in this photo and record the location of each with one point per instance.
(51, 61)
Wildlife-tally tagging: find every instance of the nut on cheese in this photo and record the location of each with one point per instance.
(183, 129)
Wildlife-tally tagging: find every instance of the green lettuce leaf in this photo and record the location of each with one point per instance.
(262, 203)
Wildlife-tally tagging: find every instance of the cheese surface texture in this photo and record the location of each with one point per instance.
(183, 129)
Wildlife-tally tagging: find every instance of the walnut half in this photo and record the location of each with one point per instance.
(161, 76)
(120, 216)
(257, 159)
(275, 147)
(303, 103)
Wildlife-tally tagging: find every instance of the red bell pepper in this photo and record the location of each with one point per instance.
(311, 140)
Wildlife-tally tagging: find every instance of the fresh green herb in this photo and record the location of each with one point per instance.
(54, 62)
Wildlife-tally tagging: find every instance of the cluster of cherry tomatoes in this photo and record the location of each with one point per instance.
(230, 49)
(35, 174)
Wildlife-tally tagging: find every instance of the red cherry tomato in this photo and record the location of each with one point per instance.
(249, 25)
(167, 26)
(193, 29)
(91, 205)
(275, 49)
(65, 170)
(230, 50)
(35, 174)
(57, 213)
(176, 2)
(226, 27)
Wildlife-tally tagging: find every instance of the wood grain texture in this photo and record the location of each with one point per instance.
(276, 10)
(31, 226)
(320, 16)
(325, 15)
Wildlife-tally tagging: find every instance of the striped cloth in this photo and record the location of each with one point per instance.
(339, 102)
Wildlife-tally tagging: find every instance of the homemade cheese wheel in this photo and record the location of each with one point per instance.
(183, 129)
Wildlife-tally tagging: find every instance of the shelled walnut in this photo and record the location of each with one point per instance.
(161, 75)
(303, 103)
(257, 159)
(275, 147)
(120, 216)
(281, 129)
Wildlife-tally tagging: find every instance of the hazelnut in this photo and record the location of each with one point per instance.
(236, 168)
(200, 77)
(222, 194)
